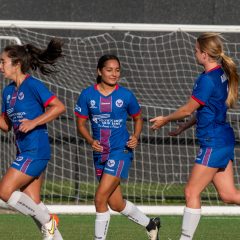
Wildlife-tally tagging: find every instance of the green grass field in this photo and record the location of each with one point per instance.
(80, 227)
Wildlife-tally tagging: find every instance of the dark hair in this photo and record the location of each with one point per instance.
(31, 57)
(101, 63)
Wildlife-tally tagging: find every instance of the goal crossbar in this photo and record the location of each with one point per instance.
(142, 27)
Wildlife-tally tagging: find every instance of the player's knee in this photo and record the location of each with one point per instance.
(99, 200)
(116, 207)
(190, 193)
(5, 194)
(226, 197)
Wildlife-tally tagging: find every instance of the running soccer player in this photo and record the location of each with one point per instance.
(214, 91)
(23, 108)
(107, 105)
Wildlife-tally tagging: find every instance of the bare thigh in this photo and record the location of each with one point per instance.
(200, 177)
(224, 183)
(12, 181)
(106, 187)
(33, 189)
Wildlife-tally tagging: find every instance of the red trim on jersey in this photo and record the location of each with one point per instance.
(218, 66)
(49, 100)
(197, 100)
(80, 116)
(136, 114)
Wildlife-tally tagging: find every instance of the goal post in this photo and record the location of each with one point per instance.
(160, 70)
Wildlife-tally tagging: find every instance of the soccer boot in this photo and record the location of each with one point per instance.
(49, 228)
(153, 228)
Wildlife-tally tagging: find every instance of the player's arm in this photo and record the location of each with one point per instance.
(138, 125)
(182, 112)
(5, 124)
(81, 125)
(54, 109)
(183, 126)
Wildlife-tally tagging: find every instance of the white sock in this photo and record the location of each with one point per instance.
(24, 204)
(101, 225)
(57, 234)
(134, 214)
(190, 222)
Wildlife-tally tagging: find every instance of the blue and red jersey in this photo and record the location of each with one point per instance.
(28, 102)
(211, 91)
(108, 115)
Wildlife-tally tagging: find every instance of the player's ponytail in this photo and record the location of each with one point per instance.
(230, 69)
(45, 59)
(31, 57)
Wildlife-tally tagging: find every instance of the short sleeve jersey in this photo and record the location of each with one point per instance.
(211, 91)
(28, 102)
(108, 115)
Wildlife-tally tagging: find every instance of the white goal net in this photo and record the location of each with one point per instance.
(160, 70)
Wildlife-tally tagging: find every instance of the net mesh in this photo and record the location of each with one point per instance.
(160, 70)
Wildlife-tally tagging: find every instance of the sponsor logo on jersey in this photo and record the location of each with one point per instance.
(92, 104)
(223, 78)
(9, 111)
(21, 96)
(77, 108)
(111, 162)
(8, 98)
(200, 152)
(19, 158)
(119, 103)
(95, 118)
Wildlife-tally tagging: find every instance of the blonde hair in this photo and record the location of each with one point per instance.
(211, 43)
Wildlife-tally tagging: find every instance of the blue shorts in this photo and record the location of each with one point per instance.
(117, 164)
(29, 165)
(215, 157)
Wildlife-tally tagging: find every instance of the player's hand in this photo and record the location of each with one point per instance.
(96, 146)
(132, 142)
(26, 125)
(177, 131)
(158, 122)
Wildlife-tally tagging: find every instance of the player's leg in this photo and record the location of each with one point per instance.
(106, 187)
(33, 190)
(128, 209)
(224, 183)
(200, 177)
(9, 184)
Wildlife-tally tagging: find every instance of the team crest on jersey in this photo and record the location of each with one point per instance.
(21, 96)
(111, 162)
(92, 104)
(119, 103)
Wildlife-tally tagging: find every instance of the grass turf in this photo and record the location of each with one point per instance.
(81, 227)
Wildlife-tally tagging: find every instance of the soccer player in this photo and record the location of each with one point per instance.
(214, 91)
(24, 102)
(107, 105)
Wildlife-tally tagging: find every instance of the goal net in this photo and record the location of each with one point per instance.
(160, 70)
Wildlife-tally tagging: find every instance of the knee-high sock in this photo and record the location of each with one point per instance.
(190, 222)
(24, 204)
(134, 214)
(101, 225)
(57, 234)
